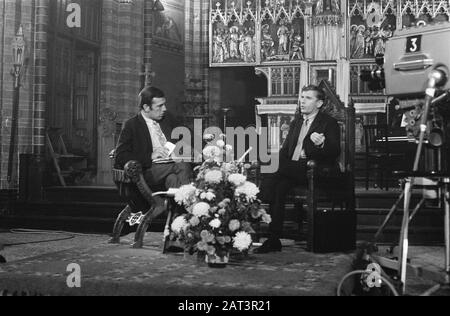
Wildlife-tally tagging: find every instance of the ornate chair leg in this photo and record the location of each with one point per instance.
(298, 204)
(142, 229)
(118, 226)
(167, 231)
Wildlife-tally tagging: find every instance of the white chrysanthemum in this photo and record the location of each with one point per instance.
(185, 194)
(228, 148)
(266, 218)
(194, 221)
(234, 225)
(242, 241)
(220, 143)
(250, 190)
(179, 224)
(210, 196)
(208, 137)
(237, 179)
(201, 209)
(214, 176)
(215, 223)
(211, 151)
(207, 196)
(229, 168)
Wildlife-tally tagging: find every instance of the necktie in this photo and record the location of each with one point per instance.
(299, 149)
(159, 134)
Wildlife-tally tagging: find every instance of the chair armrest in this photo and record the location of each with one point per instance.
(119, 176)
(133, 170)
(314, 169)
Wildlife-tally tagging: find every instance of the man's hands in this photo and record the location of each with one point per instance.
(318, 139)
(160, 153)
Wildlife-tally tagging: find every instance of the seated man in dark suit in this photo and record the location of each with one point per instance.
(144, 139)
(313, 135)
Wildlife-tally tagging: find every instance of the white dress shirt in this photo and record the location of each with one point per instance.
(158, 138)
(299, 152)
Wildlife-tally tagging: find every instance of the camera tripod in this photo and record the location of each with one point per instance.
(437, 77)
(443, 183)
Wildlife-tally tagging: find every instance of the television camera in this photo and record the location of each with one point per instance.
(415, 72)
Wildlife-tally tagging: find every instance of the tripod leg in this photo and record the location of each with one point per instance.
(418, 207)
(167, 231)
(447, 231)
(403, 245)
(389, 216)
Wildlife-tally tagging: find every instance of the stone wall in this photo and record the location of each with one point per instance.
(13, 14)
(122, 52)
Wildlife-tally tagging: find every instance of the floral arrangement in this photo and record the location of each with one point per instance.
(221, 205)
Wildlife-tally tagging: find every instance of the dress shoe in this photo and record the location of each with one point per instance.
(270, 245)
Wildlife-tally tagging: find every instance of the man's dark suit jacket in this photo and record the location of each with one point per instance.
(135, 142)
(328, 154)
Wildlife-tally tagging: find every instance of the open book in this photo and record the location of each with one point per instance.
(169, 160)
(170, 147)
(170, 192)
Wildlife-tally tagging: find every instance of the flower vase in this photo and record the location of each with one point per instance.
(215, 261)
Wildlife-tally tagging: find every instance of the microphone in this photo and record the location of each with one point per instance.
(437, 78)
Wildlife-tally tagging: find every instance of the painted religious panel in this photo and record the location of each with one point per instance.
(372, 23)
(233, 33)
(282, 27)
(168, 26)
(424, 12)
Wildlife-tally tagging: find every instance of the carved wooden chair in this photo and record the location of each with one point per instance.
(133, 188)
(330, 197)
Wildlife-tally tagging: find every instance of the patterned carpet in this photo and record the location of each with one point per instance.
(119, 270)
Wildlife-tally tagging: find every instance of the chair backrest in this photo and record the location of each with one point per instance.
(346, 118)
(376, 138)
(55, 141)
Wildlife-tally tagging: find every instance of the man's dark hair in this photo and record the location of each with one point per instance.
(147, 95)
(319, 92)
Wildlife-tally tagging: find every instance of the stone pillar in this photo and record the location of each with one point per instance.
(148, 35)
(122, 52)
(16, 13)
(40, 87)
(197, 54)
(40, 75)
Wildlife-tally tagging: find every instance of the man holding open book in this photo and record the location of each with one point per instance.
(144, 138)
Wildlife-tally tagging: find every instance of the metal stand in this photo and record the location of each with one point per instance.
(443, 183)
(437, 77)
(225, 118)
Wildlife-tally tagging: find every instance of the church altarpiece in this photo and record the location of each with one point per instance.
(285, 40)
